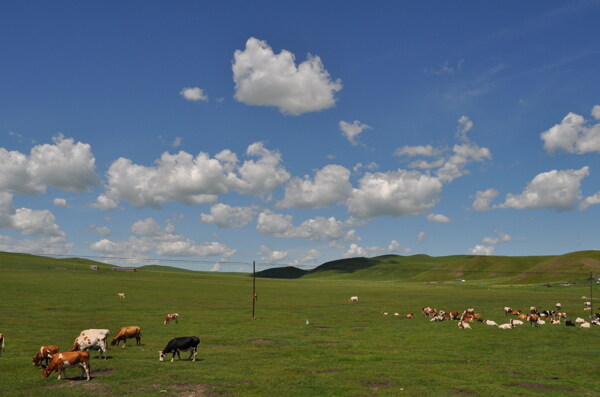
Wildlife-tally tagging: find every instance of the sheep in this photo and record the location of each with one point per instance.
(490, 322)
(555, 322)
(579, 320)
(353, 299)
(585, 325)
(507, 325)
(541, 322)
(517, 322)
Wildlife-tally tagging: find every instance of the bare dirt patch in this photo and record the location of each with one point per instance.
(263, 341)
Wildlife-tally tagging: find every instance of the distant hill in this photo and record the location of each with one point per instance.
(282, 272)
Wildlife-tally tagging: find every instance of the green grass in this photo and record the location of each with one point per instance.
(346, 350)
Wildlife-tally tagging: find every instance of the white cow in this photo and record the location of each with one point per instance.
(121, 295)
(95, 339)
(353, 299)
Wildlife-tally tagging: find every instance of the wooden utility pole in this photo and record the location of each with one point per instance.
(591, 294)
(253, 290)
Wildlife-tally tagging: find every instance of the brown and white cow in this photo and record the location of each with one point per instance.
(121, 295)
(1, 343)
(63, 360)
(95, 339)
(429, 312)
(44, 354)
(171, 317)
(127, 333)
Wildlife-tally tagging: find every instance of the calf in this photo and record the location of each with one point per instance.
(44, 354)
(127, 333)
(183, 343)
(60, 361)
(171, 317)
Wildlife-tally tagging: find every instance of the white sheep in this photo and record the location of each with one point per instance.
(353, 299)
(541, 322)
(585, 325)
(506, 326)
(517, 322)
(463, 325)
(555, 322)
(490, 322)
(579, 320)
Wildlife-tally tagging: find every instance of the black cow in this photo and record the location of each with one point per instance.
(569, 323)
(183, 343)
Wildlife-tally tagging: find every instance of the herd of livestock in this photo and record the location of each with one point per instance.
(51, 359)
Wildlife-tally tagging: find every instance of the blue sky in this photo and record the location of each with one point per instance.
(210, 135)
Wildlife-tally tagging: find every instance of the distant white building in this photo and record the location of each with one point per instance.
(93, 267)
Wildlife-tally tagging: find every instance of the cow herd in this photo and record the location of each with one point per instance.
(50, 359)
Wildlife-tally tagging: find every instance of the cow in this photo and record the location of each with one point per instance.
(569, 323)
(44, 354)
(353, 299)
(60, 361)
(183, 343)
(1, 343)
(533, 319)
(429, 312)
(507, 310)
(533, 310)
(171, 317)
(508, 325)
(463, 325)
(121, 295)
(127, 333)
(94, 339)
(410, 315)
(558, 306)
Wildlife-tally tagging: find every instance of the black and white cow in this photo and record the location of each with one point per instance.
(182, 343)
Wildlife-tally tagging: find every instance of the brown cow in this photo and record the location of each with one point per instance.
(1, 343)
(44, 354)
(171, 317)
(60, 361)
(127, 333)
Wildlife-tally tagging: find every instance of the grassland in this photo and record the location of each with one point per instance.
(344, 350)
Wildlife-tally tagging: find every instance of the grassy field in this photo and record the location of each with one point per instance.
(345, 350)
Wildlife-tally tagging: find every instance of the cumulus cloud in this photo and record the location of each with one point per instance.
(356, 250)
(25, 220)
(421, 236)
(352, 130)
(65, 165)
(483, 199)
(590, 200)
(264, 78)
(145, 227)
(53, 245)
(224, 215)
(193, 94)
(394, 193)
(482, 250)
(553, 189)
(438, 218)
(317, 229)
(395, 246)
(192, 180)
(60, 202)
(331, 184)
(419, 150)
(500, 238)
(454, 166)
(574, 134)
(269, 255)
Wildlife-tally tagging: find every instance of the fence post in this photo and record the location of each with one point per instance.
(253, 290)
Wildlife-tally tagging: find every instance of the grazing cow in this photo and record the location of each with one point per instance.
(410, 315)
(171, 317)
(127, 333)
(533, 319)
(183, 343)
(121, 295)
(454, 315)
(533, 310)
(558, 306)
(44, 354)
(353, 299)
(587, 304)
(1, 343)
(507, 310)
(94, 339)
(428, 311)
(463, 325)
(569, 323)
(60, 361)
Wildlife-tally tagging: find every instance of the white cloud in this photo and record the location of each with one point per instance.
(331, 184)
(25, 220)
(464, 125)
(553, 189)
(317, 229)
(352, 130)
(590, 200)
(354, 251)
(438, 218)
(192, 180)
(395, 193)
(395, 246)
(193, 94)
(483, 198)
(60, 202)
(224, 215)
(269, 255)
(54, 245)
(454, 166)
(65, 165)
(264, 78)
(573, 135)
(145, 227)
(419, 150)
(482, 250)
(421, 236)
(101, 230)
(177, 141)
(502, 238)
